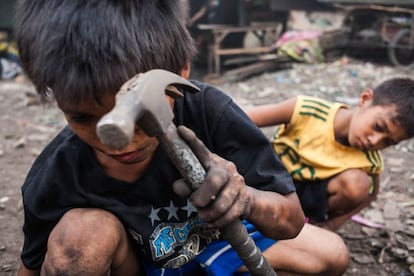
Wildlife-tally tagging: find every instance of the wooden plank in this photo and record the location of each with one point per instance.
(255, 68)
(250, 59)
(240, 29)
(239, 51)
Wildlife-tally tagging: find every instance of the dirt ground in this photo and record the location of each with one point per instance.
(386, 249)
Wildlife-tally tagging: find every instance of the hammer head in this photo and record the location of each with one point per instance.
(141, 100)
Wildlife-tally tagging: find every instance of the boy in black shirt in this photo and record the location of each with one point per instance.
(92, 210)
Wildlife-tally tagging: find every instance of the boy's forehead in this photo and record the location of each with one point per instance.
(392, 117)
(89, 104)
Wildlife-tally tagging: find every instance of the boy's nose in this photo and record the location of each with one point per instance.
(375, 139)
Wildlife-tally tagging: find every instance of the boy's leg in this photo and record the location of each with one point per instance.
(348, 193)
(315, 251)
(90, 242)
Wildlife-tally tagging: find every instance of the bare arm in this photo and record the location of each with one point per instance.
(272, 114)
(277, 216)
(23, 271)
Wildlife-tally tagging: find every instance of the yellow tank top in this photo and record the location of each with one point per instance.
(307, 145)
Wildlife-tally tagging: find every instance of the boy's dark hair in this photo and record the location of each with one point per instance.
(398, 92)
(79, 48)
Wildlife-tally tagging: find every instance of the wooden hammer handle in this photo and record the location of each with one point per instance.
(234, 233)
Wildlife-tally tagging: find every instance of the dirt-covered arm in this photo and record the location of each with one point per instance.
(275, 215)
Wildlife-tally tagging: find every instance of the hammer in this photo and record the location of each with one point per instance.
(141, 100)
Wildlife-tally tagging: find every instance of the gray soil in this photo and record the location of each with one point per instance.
(26, 127)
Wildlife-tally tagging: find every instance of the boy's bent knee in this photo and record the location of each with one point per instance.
(85, 226)
(83, 241)
(354, 185)
(315, 251)
(332, 252)
(339, 261)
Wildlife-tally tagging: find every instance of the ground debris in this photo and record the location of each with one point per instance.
(363, 258)
(374, 251)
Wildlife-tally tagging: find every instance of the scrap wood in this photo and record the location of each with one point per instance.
(254, 58)
(253, 69)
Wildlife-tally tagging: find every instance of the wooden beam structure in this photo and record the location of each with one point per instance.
(220, 32)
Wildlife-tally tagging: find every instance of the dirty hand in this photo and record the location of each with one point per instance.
(223, 196)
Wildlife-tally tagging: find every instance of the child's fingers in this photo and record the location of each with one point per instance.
(205, 195)
(222, 197)
(182, 188)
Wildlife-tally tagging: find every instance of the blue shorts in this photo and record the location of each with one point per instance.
(218, 259)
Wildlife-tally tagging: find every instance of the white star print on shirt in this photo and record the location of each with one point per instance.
(172, 211)
(154, 215)
(189, 208)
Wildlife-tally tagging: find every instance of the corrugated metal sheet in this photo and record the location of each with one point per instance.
(375, 2)
(6, 13)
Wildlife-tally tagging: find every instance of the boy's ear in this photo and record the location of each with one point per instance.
(185, 73)
(366, 97)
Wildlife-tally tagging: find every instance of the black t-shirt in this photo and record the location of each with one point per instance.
(165, 227)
